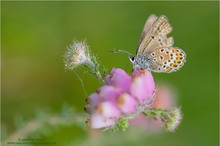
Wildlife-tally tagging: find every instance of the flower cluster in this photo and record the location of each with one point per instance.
(122, 97)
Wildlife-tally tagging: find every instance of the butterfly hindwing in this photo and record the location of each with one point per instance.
(167, 59)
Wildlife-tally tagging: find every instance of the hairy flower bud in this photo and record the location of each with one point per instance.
(172, 119)
(76, 54)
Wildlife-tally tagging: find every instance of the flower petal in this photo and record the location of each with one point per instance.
(108, 93)
(108, 110)
(126, 103)
(98, 121)
(142, 86)
(119, 79)
(92, 100)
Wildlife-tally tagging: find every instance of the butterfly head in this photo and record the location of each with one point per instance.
(132, 59)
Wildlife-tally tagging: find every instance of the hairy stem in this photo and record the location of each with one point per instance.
(95, 69)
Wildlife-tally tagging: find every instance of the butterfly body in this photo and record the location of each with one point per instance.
(155, 50)
(142, 61)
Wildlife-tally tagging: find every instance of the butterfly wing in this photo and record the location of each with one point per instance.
(157, 47)
(148, 24)
(167, 59)
(154, 36)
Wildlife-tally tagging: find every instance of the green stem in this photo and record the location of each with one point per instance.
(155, 112)
(95, 69)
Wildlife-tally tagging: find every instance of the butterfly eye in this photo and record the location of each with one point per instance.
(132, 59)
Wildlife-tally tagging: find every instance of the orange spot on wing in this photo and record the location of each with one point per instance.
(172, 65)
(175, 51)
(168, 69)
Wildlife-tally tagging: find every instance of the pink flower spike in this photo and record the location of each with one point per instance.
(122, 96)
(126, 103)
(119, 79)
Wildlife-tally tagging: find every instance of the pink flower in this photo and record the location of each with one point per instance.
(126, 103)
(142, 85)
(122, 96)
(119, 79)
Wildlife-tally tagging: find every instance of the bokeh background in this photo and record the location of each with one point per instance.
(34, 36)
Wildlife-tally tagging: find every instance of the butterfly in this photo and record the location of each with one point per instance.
(155, 50)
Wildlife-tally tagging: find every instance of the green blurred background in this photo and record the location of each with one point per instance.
(34, 36)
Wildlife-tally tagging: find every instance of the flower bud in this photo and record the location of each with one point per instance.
(142, 85)
(172, 119)
(126, 103)
(76, 54)
(119, 79)
(106, 114)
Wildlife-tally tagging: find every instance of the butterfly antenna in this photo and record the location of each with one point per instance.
(121, 51)
(81, 81)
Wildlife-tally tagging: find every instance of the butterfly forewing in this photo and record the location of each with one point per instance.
(161, 26)
(148, 24)
(156, 36)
